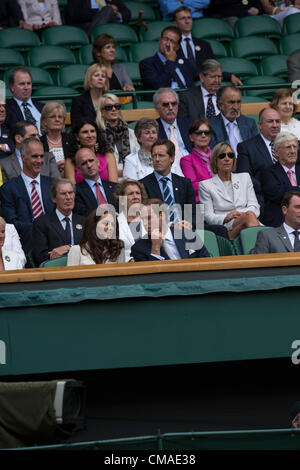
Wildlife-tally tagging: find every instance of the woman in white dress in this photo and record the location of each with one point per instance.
(8, 259)
(139, 164)
(100, 242)
(229, 198)
(284, 104)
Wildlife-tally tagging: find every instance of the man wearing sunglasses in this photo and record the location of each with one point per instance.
(164, 69)
(229, 124)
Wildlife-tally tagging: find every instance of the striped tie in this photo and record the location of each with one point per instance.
(296, 241)
(167, 196)
(36, 204)
(28, 116)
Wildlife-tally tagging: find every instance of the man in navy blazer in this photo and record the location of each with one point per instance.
(164, 69)
(280, 178)
(52, 234)
(86, 199)
(15, 195)
(20, 83)
(229, 124)
(162, 242)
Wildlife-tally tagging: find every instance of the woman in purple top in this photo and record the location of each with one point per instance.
(196, 165)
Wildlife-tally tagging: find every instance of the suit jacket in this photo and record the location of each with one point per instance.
(275, 183)
(226, 8)
(217, 203)
(155, 74)
(11, 260)
(17, 210)
(247, 127)
(10, 9)
(11, 168)
(141, 250)
(273, 240)
(191, 103)
(82, 108)
(293, 66)
(182, 189)
(48, 233)
(33, 14)
(77, 258)
(14, 114)
(183, 124)
(65, 144)
(81, 14)
(85, 201)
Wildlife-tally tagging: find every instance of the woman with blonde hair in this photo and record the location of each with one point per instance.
(119, 136)
(54, 137)
(9, 259)
(95, 84)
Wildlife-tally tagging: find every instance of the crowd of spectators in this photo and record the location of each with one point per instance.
(100, 192)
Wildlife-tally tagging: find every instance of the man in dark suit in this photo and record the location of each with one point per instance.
(170, 126)
(195, 49)
(21, 107)
(28, 196)
(53, 234)
(280, 178)
(6, 141)
(201, 101)
(164, 69)
(11, 166)
(91, 191)
(256, 154)
(229, 124)
(162, 242)
(10, 11)
(88, 13)
(285, 238)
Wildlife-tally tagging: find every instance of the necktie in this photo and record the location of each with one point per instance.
(274, 158)
(101, 199)
(173, 139)
(178, 80)
(296, 241)
(67, 231)
(167, 197)
(292, 178)
(36, 204)
(189, 50)
(210, 109)
(232, 139)
(27, 113)
(101, 3)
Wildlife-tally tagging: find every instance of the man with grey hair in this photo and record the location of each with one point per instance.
(172, 127)
(53, 234)
(280, 178)
(201, 101)
(230, 124)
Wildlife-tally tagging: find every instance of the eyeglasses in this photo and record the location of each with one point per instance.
(166, 39)
(199, 132)
(109, 107)
(226, 154)
(170, 103)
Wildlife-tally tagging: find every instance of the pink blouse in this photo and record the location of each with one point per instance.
(195, 166)
(103, 169)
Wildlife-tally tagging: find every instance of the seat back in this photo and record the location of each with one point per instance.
(50, 57)
(242, 68)
(210, 241)
(266, 93)
(51, 263)
(253, 49)
(288, 44)
(214, 28)
(40, 77)
(291, 24)
(72, 76)
(142, 50)
(153, 31)
(248, 238)
(261, 25)
(275, 66)
(123, 34)
(19, 39)
(66, 36)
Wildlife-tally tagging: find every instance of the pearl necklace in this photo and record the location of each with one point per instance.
(54, 143)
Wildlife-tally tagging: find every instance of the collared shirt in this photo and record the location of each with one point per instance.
(166, 125)
(286, 169)
(205, 95)
(268, 144)
(174, 84)
(18, 154)
(34, 111)
(237, 133)
(61, 218)
(27, 181)
(160, 183)
(95, 5)
(183, 44)
(92, 185)
(289, 230)
(170, 247)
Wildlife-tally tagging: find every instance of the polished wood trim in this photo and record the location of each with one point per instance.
(152, 267)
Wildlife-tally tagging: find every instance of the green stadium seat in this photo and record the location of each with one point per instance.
(55, 93)
(85, 56)
(50, 57)
(57, 262)
(267, 93)
(218, 48)
(10, 58)
(72, 76)
(252, 99)
(123, 33)
(254, 48)
(142, 50)
(210, 241)
(143, 104)
(275, 66)
(261, 25)
(135, 8)
(20, 39)
(291, 24)
(240, 67)
(289, 43)
(134, 73)
(154, 30)
(66, 36)
(248, 238)
(40, 77)
(214, 28)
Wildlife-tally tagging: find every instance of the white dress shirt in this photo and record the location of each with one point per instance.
(27, 181)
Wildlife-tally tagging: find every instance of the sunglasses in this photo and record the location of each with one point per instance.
(226, 154)
(201, 132)
(109, 107)
(172, 103)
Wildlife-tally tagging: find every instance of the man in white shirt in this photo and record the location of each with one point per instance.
(285, 238)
